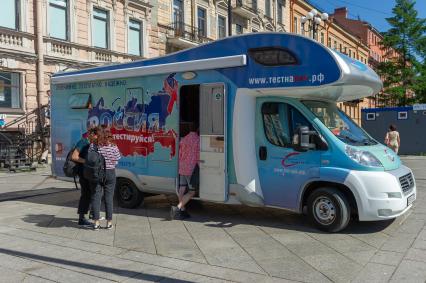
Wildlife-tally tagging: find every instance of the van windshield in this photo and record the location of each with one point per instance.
(339, 123)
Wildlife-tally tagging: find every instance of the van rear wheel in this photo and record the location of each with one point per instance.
(128, 195)
(328, 209)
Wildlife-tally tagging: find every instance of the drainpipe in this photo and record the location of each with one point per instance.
(40, 51)
(40, 65)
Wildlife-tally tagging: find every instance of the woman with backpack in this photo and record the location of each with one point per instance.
(111, 154)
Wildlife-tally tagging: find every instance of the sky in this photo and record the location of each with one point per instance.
(372, 11)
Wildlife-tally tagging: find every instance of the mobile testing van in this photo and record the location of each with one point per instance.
(270, 131)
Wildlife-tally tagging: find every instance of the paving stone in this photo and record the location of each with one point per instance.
(375, 272)
(133, 232)
(389, 258)
(420, 244)
(399, 243)
(410, 271)
(11, 276)
(292, 268)
(362, 257)
(416, 255)
(335, 266)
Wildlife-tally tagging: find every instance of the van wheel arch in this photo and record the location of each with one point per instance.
(322, 184)
(128, 194)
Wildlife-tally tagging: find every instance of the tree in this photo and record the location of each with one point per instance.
(403, 73)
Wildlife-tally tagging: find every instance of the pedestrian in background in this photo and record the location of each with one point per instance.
(109, 150)
(392, 139)
(79, 156)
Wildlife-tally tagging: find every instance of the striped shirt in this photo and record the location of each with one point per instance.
(111, 153)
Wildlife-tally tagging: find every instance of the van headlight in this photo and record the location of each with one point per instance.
(362, 157)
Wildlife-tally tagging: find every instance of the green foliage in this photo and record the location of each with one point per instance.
(405, 74)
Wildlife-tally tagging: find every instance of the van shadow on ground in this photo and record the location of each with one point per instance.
(211, 214)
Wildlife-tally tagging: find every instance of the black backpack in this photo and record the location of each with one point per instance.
(94, 166)
(70, 167)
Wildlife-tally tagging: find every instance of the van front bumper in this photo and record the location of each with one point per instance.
(382, 195)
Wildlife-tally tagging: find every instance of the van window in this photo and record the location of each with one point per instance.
(280, 121)
(273, 56)
(80, 101)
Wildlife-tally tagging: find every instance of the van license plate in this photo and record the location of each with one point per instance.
(410, 199)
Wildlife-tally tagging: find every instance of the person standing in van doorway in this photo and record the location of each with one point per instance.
(79, 156)
(392, 139)
(111, 154)
(189, 155)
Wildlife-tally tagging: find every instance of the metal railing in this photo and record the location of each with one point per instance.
(23, 140)
(188, 32)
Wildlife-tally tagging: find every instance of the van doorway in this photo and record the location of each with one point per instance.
(203, 107)
(189, 120)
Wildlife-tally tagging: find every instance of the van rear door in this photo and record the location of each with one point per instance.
(213, 177)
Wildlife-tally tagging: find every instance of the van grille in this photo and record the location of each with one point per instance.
(407, 183)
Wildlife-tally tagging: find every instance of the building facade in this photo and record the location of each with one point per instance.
(41, 37)
(336, 36)
(371, 37)
(187, 23)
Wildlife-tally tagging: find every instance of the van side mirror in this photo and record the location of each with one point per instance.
(302, 138)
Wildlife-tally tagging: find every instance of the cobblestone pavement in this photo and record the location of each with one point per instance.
(41, 242)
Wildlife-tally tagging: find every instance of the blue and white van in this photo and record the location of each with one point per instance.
(270, 131)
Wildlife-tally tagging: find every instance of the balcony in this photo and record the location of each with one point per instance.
(246, 9)
(185, 36)
(16, 41)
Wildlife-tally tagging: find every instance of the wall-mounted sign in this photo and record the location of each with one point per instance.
(419, 107)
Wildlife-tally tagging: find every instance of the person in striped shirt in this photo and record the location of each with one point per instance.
(111, 153)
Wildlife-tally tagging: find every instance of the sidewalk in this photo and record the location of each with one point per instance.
(40, 241)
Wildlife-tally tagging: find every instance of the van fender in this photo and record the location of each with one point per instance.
(333, 176)
(121, 173)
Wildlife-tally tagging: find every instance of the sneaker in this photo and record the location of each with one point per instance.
(96, 227)
(174, 210)
(185, 214)
(109, 227)
(84, 222)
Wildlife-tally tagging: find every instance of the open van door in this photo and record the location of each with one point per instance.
(213, 177)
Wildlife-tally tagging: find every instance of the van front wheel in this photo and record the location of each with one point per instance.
(328, 209)
(128, 195)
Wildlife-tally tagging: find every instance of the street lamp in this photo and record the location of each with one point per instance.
(313, 19)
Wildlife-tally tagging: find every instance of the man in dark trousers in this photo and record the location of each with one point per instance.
(79, 156)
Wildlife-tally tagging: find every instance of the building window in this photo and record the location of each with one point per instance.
(10, 90)
(9, 14)
(221, 26)
(58, 17)
(268, 8)
(135, 38)
(295, 25)
(280, 6)
(350, 53)
(100, 26)
(202, 21)
(178, 20)
(238, 29)
(322, 38)
(254, 4)
(340, 47)
(329, 42)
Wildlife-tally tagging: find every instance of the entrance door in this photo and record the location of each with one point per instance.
(213, 185)
(282, 170)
